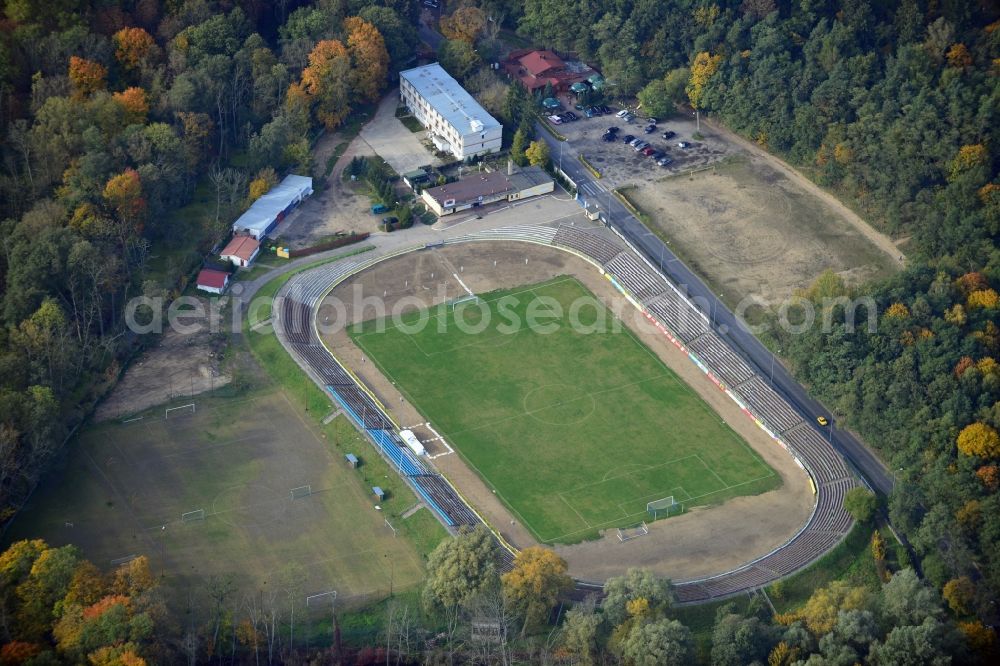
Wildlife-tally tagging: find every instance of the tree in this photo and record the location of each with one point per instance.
(369, 57)
(86, 76)
(703, 68)
(580, 633)
(635, 584)
(518, 146)
(460, 568)
(653, 98)
(979, 439)
(464, 24)
(538, 153)
(908, 600)
(535, 583)
(913, 645)
(959, 593)
(737, 640)
(134, 103)
(458, 58)
(861, 504)
(133, 47)
(124, 194)
(820, 612)
(265, 179)
(326, 82)
(660, 643)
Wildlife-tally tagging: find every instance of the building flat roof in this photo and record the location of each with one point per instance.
(263, 211)
(528, 177)
(449, 99)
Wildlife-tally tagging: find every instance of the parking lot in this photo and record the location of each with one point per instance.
(620, 164)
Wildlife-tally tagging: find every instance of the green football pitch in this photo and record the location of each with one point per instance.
(573, 421)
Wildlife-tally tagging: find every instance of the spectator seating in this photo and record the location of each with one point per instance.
(587, 243)
(635, 276)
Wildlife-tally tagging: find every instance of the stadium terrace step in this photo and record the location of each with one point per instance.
(678, 315)
(718, 356)
(768, 405)
(588, 243)
(825, 463)
(635, 276)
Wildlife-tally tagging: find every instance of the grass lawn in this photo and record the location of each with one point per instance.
(412, 124)
(575, 430)
(127, 486)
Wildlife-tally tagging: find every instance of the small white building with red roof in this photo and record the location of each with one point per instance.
(212, 281)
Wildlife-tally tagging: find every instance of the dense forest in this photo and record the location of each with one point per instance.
(119, 116)
(116, 117)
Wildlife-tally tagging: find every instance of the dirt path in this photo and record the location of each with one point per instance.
(702, 542)
(882, 241)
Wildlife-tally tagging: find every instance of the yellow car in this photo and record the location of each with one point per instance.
(822, 421)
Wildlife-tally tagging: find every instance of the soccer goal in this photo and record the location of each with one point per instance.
(629, 533)
(181, 410)
(193, 516)
(463, 300)
(667, 506)
(301, 491)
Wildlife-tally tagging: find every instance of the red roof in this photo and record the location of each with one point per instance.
(242, 247)
(538, 62)
(209, 277)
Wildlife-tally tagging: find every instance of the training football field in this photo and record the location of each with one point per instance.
(576, 427)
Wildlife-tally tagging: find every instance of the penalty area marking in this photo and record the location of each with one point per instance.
(438, 437)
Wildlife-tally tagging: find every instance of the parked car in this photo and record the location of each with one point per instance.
(379, 208)
(635, 142)
(596, 110)
(555, 120)
(389, 220)
(628, 117)
(612, 129)
(605, 109)
(608, 137)
(658, 155)
(587, 112)
(668, 134)
(640, 146)
(579, 107)
(664, 161)
(572, 116)
(650, 129)
(651, 121)
(683, 144)
(628, 138)
(648, 151)
(622, 113)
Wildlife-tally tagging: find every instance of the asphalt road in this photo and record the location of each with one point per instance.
(724, 322)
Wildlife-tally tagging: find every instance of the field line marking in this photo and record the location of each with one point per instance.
(726, 486)
(573, 509)
(625, 474)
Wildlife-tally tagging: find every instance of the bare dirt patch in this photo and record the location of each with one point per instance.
(699, 543)
(748, 229)
(179, 365)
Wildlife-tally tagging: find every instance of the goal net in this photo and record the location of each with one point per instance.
(301, 491)
(182, 410)
(463, 300)
(629, 533)
(192, 516)
(667, 506)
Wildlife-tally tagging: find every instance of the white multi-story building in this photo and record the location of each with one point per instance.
(456, 123)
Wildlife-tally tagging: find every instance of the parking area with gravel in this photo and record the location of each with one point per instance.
(619, 164)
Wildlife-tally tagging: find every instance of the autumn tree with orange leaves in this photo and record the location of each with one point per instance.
(135, 103)
(86, 76)
(326, 83)
(535, 584)
(133, 46)
(369, 57)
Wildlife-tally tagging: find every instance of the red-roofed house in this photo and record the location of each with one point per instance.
(213, 281)
(537, 68)
(242, 250)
